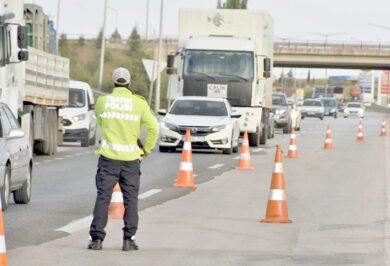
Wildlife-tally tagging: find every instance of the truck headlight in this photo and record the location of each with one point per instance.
(218, 128)
(78, 118)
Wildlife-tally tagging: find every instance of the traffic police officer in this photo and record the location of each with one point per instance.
(120, 116)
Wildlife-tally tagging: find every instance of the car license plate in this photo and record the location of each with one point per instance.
(217, 90)
(197, 139)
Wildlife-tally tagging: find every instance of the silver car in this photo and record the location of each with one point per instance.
(15, 160)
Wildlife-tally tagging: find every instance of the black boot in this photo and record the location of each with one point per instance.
(129, 245)
(95, 244)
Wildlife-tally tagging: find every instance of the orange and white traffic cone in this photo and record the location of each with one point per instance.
(360, 135)
(277, 211)
(328, 139)
(3, 250)
(383, 129)
(117, 207)
(245, 162)
(292, 149)
(185, 177)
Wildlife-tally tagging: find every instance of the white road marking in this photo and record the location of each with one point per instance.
(47, 161)
(195, 175)
(37, 163)
(85, 222)
(258, 150)
(68, 156)
(148, 193)
(60, 158)
(236, 158)
(216, 166)
(79, 153)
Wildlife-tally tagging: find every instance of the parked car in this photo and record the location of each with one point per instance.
(330, 106)
(296, 116)
(212, 123)
(354, 109)
(79, 117)
(312, 108)
(282, 112)
(15, 160)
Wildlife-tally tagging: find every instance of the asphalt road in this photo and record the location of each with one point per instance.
(64, 191)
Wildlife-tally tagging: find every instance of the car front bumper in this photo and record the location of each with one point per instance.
(280, 121)
(72, 135)
(312, 114)
(217, 140)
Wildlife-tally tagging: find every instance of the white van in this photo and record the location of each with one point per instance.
(79, 117)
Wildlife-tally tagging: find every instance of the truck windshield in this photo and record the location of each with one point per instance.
(220, 63)
(76, 98)
(199, 108)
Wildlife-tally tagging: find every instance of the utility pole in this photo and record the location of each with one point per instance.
(103, 46)
(58, 26)
(158, 87)
(147, 20)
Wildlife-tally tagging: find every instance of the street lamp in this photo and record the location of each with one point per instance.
(326, 36)
(103, 46)
(158, 87)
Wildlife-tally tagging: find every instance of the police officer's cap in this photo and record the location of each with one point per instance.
(121, 76)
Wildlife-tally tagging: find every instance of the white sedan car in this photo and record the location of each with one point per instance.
(210, 120)
(354, 109)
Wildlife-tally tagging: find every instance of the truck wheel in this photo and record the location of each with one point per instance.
(6, 189)
(287, 129)
(254, 139)
(23, 194)
(264, 134)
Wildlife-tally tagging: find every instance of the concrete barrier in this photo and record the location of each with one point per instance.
(378, 109)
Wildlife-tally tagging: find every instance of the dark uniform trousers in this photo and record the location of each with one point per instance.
(109, 173)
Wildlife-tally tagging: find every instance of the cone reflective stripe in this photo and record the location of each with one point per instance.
(360, 135)
(328, 139)
(292, 149)
(383, 129)
(245, 162)
(185, 178)
(117, 207)
(277, 211)
(3, 250)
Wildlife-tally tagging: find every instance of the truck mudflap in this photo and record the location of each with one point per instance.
(250, 120)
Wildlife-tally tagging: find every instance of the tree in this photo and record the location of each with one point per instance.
(81, 41)
(64, 45)
(233, 4)
(290, 79)
(116, 36)
(135, 44)
(99, 39)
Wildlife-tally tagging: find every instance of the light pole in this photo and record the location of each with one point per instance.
(103, 46)
(147, 20)
(58, 25)
(326, 36)
(158, 87)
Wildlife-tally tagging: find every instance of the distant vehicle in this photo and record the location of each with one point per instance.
(340, 107)
(312, 108)
(354, 109)
(296, 115)
(330, 105)
(282, 112)
(78, 118)
(15, 160)
(212, 123)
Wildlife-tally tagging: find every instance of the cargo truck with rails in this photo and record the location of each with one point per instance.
(33, 83)
(227, 54)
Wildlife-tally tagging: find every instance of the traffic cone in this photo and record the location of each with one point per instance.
(383, 129)
(360, 135)
(328, 139)
(245, 157)
(3, 250)
(185, 177)
(117, 208)
(277, 211)
(292, 149)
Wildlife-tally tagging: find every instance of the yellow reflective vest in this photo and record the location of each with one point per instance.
(120, 116)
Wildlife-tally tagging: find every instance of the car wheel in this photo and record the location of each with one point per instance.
(92, 141)
(6, 189)
(345, 116)
(322, 118)
(85, 141)
(303, 117)
(23, 194)
(166, 149)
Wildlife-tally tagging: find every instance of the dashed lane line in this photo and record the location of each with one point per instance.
(58, 159)
(85, 222)
(216, 166)
(258, 150)
(236, 158)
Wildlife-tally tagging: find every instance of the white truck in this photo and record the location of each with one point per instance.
(33, 83)
(228, 54)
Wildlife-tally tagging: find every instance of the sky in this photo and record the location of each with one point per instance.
(294, 19)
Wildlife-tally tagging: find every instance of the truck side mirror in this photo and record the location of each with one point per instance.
(23, 56)
(171, 64)
(22, 37)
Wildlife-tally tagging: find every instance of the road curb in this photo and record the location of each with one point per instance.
(387, 218)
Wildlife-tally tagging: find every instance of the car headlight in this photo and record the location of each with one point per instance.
(218, 128)
(78, 118)
(280, 112)
(169, 126)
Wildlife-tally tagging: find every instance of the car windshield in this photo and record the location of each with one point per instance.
(220, 63)
(329, 103)
(312, 103)
(279, 100)
(355, 105)
(199, 108)
(76, 98)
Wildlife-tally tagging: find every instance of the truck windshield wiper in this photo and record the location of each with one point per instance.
(204, 74)
(234, 76)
